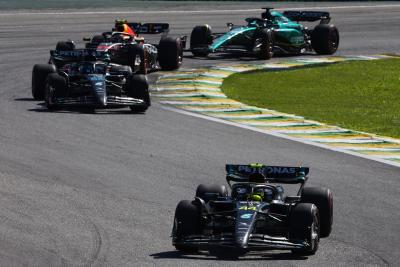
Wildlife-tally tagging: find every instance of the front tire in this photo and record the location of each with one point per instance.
(137, 52)
(138, 87)
(55, 86)
(39, 76)
(186, 222)
(170, 53)
(304, 225)
(65, 46)
(95, 41)
(200, 39)
(325, 39)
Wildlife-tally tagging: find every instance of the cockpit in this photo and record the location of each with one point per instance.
(85, 67)
(253, 192)
(255, 22)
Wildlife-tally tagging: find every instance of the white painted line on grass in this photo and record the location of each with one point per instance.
(396, 164)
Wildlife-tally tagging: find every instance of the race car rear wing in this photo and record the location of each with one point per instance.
(310, 16)
(149, 28)
(59, 58)
(272, 174)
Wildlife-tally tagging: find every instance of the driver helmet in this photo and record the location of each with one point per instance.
(119, 24)
(257, 195)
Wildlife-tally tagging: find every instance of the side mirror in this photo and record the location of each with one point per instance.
(229, 25)
(86, 39)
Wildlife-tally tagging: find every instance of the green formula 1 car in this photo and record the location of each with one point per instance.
(273, 33)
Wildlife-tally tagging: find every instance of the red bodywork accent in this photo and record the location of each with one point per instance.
(102, 47)
(129, 30)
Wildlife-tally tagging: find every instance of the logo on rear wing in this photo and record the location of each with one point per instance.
(149, 28)
(280, 172)
(307, 16)
(76, 54)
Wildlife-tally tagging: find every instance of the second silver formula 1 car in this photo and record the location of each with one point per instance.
(78, 78)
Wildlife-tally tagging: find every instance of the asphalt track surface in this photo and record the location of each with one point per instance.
(100, 189)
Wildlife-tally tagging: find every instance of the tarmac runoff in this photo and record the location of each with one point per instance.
(199, 91)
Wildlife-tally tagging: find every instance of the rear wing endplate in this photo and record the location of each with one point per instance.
(310, 16)
(273, 174)
(149, 28)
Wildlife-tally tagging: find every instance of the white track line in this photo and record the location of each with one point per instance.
(187, 11)
(281, 136)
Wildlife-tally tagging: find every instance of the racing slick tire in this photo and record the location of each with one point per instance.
(325, 39)
(138, 87)
(209, 192)
(323, 199)
(136, 52)
(201, 37)
(65, 46)
(170, 53)
(97, 39)
(304, 225)
(186, 222)
(55, 86)
(39, 76)
(265, 39)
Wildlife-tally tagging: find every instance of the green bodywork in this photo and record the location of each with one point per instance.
(287, 34)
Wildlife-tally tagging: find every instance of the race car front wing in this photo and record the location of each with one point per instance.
(111, 101)
(256, 242)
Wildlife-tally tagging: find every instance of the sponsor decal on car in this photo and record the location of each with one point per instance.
(267, 169)
(246, 216)
(248, 208)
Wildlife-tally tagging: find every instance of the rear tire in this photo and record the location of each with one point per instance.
(55, 86)
(170, 53)
(39, 76)
(138, 87)
(209, 192)
(201, 37)
(325, 39)
(65, 46)
(186, 222)
(323, 199)
(304, 225)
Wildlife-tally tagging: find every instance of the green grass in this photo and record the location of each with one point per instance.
(359, 95)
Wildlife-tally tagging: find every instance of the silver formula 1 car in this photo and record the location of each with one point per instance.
(80, 78)
(256, 215)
